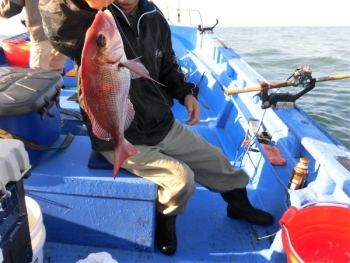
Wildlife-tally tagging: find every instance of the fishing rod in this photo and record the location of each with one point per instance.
(302, 75)
(282, 84)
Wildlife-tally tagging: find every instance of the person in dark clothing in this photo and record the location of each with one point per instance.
(176, 157)
(42, 54)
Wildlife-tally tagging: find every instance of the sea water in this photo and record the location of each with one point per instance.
(275, 52)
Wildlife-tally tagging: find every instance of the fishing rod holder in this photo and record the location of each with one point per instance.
(301, 76)
(203, 30)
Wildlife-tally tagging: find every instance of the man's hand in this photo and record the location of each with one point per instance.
(98, 4)
(192, 109)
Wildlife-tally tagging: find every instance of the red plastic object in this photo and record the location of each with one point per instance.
(317, 234)
(17, 52)
(273, 154)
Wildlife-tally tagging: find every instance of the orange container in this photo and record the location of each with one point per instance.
(317, 233)
(16, 52)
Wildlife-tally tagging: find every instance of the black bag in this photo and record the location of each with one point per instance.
(10, 8)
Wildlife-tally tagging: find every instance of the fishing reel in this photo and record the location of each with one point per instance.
(301, 76)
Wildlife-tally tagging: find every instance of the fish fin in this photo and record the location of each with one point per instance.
(125, 150)
(99, 131)
(138, 70)
(129, 115)
(96, 128)
(135, 75)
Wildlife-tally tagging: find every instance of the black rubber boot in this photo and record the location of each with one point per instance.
(165, 234)
(239, 207)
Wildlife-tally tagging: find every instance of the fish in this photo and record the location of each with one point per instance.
(105, 76)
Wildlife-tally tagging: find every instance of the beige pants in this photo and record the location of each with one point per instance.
(44, 56)
(174, 164)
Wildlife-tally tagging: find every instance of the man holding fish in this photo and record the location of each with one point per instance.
(156, 146)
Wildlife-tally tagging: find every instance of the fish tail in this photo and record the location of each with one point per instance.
(125, 150)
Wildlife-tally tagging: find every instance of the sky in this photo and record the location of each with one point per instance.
(253, 13)
(243, 13)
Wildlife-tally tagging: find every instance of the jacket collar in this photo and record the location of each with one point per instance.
(144, 7)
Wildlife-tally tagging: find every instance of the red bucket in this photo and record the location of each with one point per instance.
(16, 52)
(318, 232)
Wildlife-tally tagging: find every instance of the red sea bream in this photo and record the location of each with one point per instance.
(105, 83)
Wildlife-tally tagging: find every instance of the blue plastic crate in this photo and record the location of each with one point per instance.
(30, 108)
(15, 239)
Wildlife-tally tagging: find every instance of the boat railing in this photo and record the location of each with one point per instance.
(188, 19)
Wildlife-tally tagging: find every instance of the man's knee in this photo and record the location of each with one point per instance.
(185, 177)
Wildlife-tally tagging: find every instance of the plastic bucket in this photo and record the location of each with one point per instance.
(17, 52)
(37, 229)
(317, 232)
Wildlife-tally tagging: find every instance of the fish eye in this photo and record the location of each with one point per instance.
(101, 40)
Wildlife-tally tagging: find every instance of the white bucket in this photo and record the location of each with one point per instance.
(37, 229)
